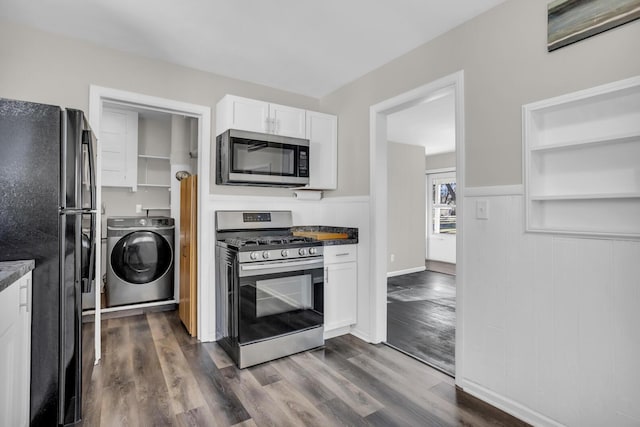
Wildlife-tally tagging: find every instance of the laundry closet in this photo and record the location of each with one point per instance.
(145, 153)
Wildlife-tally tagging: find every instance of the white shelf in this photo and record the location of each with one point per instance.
(620, 139)
(582, 162)
(154, 185)
(594, 196)
(148, 156)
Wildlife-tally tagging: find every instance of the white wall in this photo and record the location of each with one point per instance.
(440, 161)
(407, 208)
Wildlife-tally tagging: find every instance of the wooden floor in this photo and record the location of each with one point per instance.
(153, 374)
(421, 317)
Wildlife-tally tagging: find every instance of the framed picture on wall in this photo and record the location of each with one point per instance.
(569, 21)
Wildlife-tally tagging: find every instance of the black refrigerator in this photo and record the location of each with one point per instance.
(47, 213)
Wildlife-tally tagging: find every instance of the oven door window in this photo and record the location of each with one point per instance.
(278, 304)
(263, 158)
(275, 296)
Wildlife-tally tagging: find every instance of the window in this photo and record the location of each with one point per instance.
(443, 197)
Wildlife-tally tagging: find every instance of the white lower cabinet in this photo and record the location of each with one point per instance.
(340, 286)
(15, 352)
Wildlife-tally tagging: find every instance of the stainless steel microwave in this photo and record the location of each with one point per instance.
(251, 158)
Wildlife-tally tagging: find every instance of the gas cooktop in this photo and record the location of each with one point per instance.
(268, 241)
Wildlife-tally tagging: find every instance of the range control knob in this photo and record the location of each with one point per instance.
(313, 251)
(284, 253)
(254, 255)
(302, 251)
(265, 254)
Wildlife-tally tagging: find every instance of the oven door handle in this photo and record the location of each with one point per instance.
(283, 266)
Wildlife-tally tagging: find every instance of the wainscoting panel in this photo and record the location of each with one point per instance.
(550, 322)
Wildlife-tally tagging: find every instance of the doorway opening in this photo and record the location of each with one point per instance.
(154, 171)
(421, 230)
(383, 249)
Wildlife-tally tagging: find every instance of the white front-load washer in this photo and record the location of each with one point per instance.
(140, 252)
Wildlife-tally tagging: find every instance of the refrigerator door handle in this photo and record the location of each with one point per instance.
(87, 281)
(88, 140)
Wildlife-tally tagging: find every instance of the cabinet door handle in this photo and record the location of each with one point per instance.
(343, 254)
(25, 287)
(326, 274)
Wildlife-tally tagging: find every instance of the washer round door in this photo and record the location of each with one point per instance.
(141, 257)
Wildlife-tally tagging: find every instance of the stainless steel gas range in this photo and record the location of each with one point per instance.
(269, 287)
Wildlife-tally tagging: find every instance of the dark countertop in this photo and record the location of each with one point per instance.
(352, 233)
(10, 271)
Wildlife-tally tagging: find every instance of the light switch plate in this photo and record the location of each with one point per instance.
(482, 209)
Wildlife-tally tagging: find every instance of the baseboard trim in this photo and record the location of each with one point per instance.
(406, 271)
(362, 335)
(337, 332)
(511, 407)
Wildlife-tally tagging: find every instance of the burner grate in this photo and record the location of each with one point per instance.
(268, 240)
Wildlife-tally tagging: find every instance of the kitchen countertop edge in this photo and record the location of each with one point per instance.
(10, 271)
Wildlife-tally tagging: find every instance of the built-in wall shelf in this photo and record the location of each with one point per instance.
(149, 156)
(155, 185)
(596, 196)
(582, 162)
(154, 171)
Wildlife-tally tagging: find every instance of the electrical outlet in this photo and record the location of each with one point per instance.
(138, 208)
(392, 257)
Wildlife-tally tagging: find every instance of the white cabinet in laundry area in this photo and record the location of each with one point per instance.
(340, 286)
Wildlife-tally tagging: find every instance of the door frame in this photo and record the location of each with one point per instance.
(97, 96)
(378, 202)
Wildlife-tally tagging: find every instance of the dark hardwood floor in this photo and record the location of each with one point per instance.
(153, 374)
(421, 317)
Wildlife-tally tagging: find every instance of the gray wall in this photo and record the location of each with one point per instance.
(506, 64)
(407, 207)
(440, 161)
(53, 69)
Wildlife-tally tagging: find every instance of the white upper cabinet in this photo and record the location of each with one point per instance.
(287, 121)
(234, 112)
(322, 133)
(119, 147)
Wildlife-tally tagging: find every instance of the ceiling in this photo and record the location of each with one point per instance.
(430, 124)
(307, 47)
